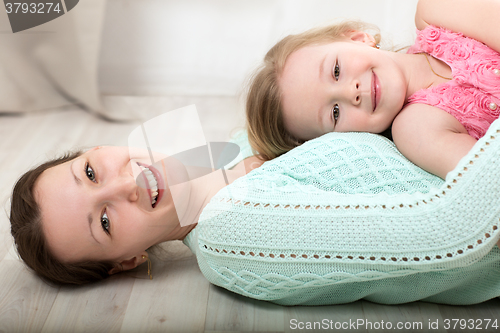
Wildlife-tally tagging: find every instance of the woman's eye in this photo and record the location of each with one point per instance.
(105, 223)
(89, 172)
(335, 113)
(336, 71)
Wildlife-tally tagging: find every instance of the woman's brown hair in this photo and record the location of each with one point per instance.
(266, 131)
(26, 228)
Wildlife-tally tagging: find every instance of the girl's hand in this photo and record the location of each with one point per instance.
(476, 19)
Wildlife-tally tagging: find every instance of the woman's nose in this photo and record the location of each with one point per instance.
(122, 187)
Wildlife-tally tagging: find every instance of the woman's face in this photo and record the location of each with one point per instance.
(93, 209)
(341, 87)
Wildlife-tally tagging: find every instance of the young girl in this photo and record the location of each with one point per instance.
(439, 98)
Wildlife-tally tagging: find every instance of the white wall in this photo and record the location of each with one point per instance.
(209, 47)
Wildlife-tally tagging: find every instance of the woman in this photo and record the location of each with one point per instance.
(342, 217)
(87, 208)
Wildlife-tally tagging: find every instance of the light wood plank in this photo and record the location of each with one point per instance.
(7, 179)
(174, 301)
(25, 300)
(228, 311)
(92, 308)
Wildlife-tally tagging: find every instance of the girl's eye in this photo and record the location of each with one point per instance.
(335, 113)
(89, 172)
(336, 71)
(105, 223)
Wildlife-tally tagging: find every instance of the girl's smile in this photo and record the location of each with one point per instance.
(376, 92)
(342, 86)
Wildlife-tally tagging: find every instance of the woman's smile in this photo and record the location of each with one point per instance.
(151, 179)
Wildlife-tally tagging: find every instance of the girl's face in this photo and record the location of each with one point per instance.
(92, 208)
(341, 87)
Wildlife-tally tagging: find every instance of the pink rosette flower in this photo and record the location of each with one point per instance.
(483, 49)
(482, 75)
(483, 102)
(439, 49)
(475, 127)
(458, 99)
(421, 45)
(431, 33)
(463, 76)
(439, 95)
(458, 51)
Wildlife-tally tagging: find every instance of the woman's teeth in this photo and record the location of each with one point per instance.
(153, 184)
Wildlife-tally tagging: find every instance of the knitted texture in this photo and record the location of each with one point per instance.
(345, 217)
(473, 95)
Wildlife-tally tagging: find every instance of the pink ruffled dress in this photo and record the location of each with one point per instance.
(473, 95)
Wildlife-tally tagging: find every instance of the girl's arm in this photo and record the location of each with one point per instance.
(476, 19)
(431, 138)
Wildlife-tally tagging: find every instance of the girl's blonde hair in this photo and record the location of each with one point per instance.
(266, 131)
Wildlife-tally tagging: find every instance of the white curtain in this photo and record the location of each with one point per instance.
(54, 64)
(209, 47)
(164, 48)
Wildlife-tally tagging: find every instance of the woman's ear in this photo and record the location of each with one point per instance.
(129, 264)
(361, 36)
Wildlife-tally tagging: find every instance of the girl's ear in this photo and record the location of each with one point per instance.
(361, 36)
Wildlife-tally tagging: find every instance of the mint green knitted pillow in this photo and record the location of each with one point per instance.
(360, 196)
(349, 163)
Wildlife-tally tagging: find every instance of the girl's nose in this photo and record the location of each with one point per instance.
(350, 93)
(354, 93)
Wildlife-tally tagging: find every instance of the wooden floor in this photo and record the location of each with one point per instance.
(178, 299)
